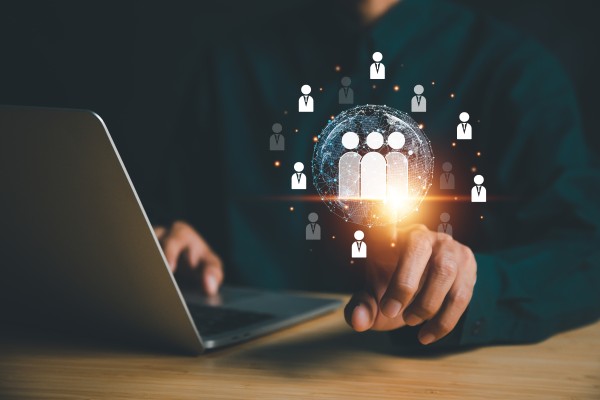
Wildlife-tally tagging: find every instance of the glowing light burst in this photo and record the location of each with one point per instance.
(363, 120)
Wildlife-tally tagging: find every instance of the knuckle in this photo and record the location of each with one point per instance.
(467, 253)
(418, 244)
(169, 245)
(461, 297)
(420, 228)
(444, 237)
(444, 326)
(182, 228)
(407, 289)
(426, 310)
(175, 241)
(445, 267)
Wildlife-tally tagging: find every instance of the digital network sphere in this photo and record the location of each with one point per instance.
(379, 189)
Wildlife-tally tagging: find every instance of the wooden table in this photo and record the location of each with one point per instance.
(319, 359)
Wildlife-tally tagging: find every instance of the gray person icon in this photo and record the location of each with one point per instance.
(313, 230)
(447, 178)
(444, 227)
(346, 94)
(418, 102)
(277, 141)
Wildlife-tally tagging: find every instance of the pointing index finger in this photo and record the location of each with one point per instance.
(407, 276)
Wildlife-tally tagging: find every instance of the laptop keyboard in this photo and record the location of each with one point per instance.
(215, 320)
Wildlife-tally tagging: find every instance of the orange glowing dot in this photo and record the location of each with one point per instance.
(396, 88)
(315, 139)
(478, 154)
(333, 237)
(320, 89)
(291, 208)
(481, 217)
(393, 245)
(473, 169)
(421, 126)
(331, 117)
(277, 163)
(346, 207)
(453, 144)
(451, 95)
(374, 86)
(351, 261)
(432, 83)
(338, 68)
(455, 198)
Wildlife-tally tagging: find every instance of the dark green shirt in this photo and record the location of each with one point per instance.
(538, 243)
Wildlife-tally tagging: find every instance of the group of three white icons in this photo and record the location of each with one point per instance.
(373, 176)
(313, 232)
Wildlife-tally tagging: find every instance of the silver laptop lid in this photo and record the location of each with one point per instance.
(77, 248)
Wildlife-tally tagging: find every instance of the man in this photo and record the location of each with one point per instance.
(520, 267)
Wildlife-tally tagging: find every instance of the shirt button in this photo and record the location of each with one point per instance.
(477, 326)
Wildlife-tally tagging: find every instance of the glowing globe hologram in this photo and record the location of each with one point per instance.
(372, 165)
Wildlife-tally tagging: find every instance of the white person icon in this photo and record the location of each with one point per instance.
(464, 131)
(359, 248)
(478, 192)
(306, 102)
(349, 168)
(397, 170)
(298, 178)
(377, 70)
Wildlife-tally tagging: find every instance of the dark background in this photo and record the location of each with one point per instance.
(123, 59)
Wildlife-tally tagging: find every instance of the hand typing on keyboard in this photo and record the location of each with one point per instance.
(184, 248)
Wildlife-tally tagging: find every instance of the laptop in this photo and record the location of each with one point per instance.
(79, 254)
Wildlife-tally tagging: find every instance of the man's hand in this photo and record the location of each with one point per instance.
(427, 277)
(184, 247)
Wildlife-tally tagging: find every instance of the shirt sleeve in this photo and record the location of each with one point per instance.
(541, 275)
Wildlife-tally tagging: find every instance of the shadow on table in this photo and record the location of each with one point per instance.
(332, 350)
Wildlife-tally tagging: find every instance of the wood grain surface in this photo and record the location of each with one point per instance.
(319, 359)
